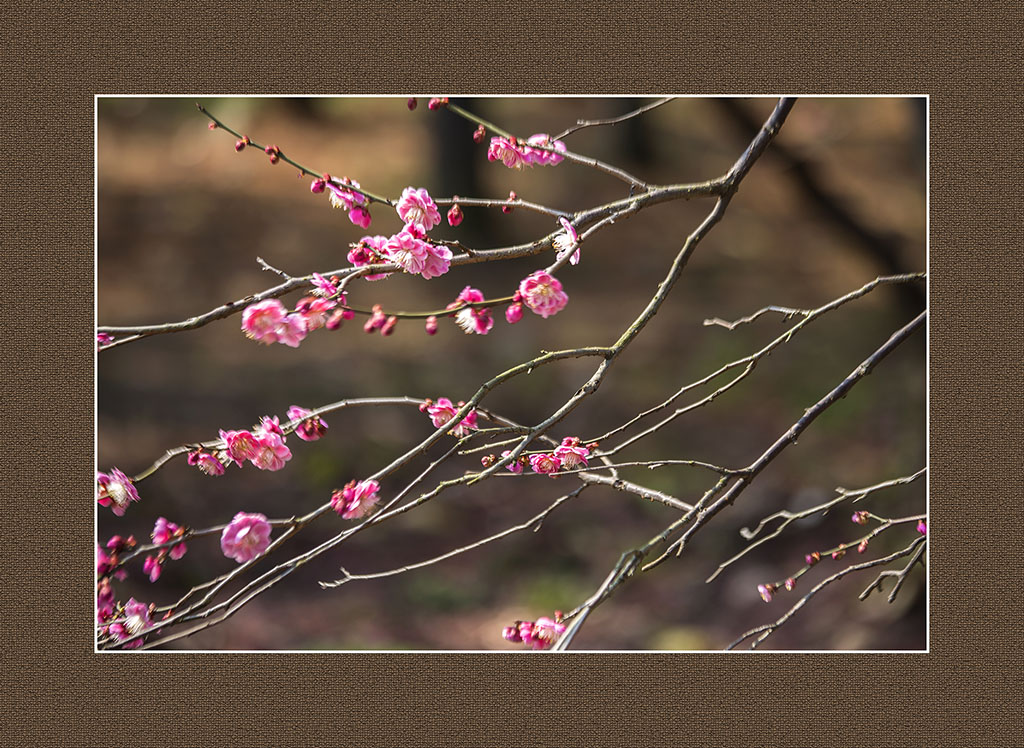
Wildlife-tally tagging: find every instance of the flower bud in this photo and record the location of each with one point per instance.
(790, 583)
(411, 103)
(431, 325)
(863, 546)
(509, 208)
(488, 460)
(212, 125)
(455, 215)
(839, 554)
(812, 558)
(514, 313)
(389, 326)
(860, 518)
(479, 134)
(922, 527)
(317, 186)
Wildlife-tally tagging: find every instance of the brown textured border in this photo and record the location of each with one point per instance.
(57, 692)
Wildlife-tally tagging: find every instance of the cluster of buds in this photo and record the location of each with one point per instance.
(241, 144)
(437, 102)
(539, 634)
(164, 532)
(516, 466)
(860, 518)
(380, 321)
(274, 152)
(102, 339)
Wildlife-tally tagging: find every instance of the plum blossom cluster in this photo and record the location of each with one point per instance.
(264, 446)
(134, 618)
(443, 412)
(269, 321)
(356, 499)
(246, 537)
(164, 532)
(569, 455)
(516, 154)
(539, 634)
(116, 490)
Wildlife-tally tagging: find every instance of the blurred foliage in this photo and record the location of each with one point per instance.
(182, 217)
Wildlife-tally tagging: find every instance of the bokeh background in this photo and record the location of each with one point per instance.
(182, 218)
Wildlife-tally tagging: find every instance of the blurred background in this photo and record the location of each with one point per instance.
(839, 201)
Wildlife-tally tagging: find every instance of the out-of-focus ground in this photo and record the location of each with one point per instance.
(182, 218)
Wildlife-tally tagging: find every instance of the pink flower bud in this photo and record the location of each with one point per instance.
(479, 134)
(317, 186)
(922, 527)
(509, 208)
(411, 103)
(240, 144)
(431, 325)
(790, 583)
(389, 326)
(514, 313)
(860, 518)
(766, 591)
(455, 215)
(812, 558)
(838, 554)
(212, 125)
(863, 546)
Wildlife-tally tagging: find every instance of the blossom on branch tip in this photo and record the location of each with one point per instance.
(473, 319)
(416, 207)
(102, 338)
(443, 411)
(245, 537)
(356, 499)
(115, 490)
(543, 293)
(310, 428)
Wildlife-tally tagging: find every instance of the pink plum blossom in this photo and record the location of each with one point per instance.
(292, 330)
(115, 490)
(571, 453)
(539, 634)
(136, 620)
(245, 537)
(343, 198)
(163, 532)
(369, 251)
(473, 319)
(356, 499)
(260, 321)
(361, 217)
(102, 338)
(541, 157)
(415, 206)
(407, 251)
(567, 241)
(515, 466)
(922, 527)
(506, 151)
(545, 463)
(326, 287)
(436, 262)
(310, 429)
(240, 445)
(271, 453)
(543, 294)
(443, 411)
(206, 462)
